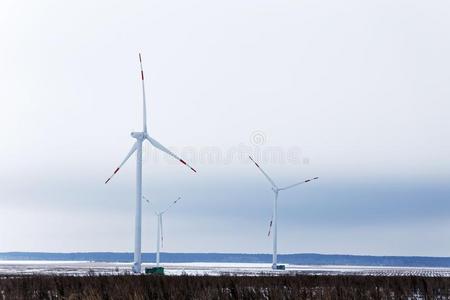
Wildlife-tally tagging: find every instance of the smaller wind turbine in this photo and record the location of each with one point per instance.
(276, 190)
(159, 233)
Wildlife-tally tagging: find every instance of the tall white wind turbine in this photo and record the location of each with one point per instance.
(137, 147)
(276, 190)
(159, 232)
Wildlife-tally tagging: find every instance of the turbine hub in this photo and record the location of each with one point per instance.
(138, 135)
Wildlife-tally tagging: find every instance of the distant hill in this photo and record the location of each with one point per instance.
(299, 259)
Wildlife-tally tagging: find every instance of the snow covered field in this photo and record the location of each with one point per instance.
(86, 268)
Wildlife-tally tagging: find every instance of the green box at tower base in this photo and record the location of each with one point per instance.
(154, 271)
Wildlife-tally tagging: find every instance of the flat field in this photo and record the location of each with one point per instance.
(40, 267)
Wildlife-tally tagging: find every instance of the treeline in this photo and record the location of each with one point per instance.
(298, 259)
(223, 287)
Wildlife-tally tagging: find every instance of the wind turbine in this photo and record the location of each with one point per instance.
(159, 233)
(276, 190)
(137, 147)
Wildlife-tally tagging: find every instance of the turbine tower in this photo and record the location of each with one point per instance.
(276, 190)
(159, 232)
(137, 147)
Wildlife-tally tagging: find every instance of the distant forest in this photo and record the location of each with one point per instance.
(298, 259)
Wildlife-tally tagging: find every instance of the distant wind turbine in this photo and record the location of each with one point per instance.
(159, 232)
(137, 147)
(276, 190)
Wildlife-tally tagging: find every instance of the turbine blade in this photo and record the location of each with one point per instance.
(270, 226)
(171, 204)
(264, 173)
(157, 145)
(123, 162)
(298, 183)
(149, 203)
(144, 109)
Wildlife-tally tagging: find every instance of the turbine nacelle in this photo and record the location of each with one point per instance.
(138, 135)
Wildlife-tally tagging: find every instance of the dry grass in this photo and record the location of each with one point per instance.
(223, 287)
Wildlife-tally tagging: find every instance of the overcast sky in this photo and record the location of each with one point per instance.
(355, 92)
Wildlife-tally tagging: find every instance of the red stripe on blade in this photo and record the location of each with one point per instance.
(142, 75)
(117, 170)
(183, 161)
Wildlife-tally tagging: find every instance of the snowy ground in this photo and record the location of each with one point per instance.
(85, 268)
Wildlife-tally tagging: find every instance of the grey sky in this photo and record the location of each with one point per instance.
(357, 90)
